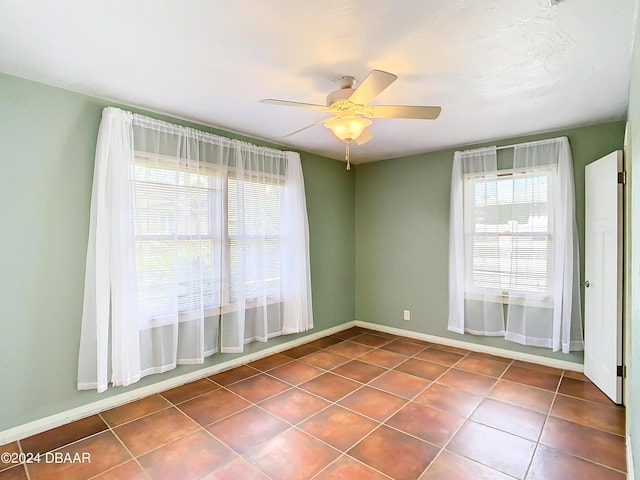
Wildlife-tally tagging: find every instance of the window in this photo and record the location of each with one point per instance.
(205, 223)
(508, 232)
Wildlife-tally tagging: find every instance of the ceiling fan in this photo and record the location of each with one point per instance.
(351, 111)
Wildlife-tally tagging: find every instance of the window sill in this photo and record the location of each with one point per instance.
(210, 312)
(512, 299)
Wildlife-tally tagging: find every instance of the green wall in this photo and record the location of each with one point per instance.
(632, 289)
(402, 235)
(48, 139)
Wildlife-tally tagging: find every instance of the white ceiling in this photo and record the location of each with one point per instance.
(498, 68)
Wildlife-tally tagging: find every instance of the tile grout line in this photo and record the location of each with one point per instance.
(296, 425)
(200, 428)
(556, 393)
(413, 398)
(406, 402)
(544, 424)
(137, 418)
(108, 429)
(345, 454)
(449, 368)
(380, 423)
(24, 465)
(467, 420)
(133, 457)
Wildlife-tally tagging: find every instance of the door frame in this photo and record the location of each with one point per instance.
(626, 262)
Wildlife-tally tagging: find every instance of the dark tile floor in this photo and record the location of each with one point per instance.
(354, 405)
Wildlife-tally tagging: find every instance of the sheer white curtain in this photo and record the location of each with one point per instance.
(472, 308)
(554, 322)
(197, 244)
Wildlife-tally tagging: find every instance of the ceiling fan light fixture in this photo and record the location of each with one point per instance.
(348, 127)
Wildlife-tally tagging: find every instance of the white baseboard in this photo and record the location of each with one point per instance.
(630, 472)
(62, 418)
(500, 352)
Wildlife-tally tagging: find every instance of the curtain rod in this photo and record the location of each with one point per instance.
(527, 143)
(502, 147)
(508, 146)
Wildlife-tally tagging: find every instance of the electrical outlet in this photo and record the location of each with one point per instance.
(407, 315)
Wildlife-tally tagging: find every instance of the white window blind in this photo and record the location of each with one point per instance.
(199, 223)
(508, 232)
(255, 211)
(178, 237)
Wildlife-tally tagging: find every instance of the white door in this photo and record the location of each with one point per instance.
(603, 275)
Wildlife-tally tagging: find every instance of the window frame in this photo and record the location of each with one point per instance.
(509, 296)
(148, 160)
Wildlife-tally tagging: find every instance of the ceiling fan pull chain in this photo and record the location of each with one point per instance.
(346, 157)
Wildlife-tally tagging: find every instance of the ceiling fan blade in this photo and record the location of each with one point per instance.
(364, 137)
(305, 128)
(375, 83)
(403, 111)
(286, 103)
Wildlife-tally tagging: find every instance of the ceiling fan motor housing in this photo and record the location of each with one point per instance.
(339, 95)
